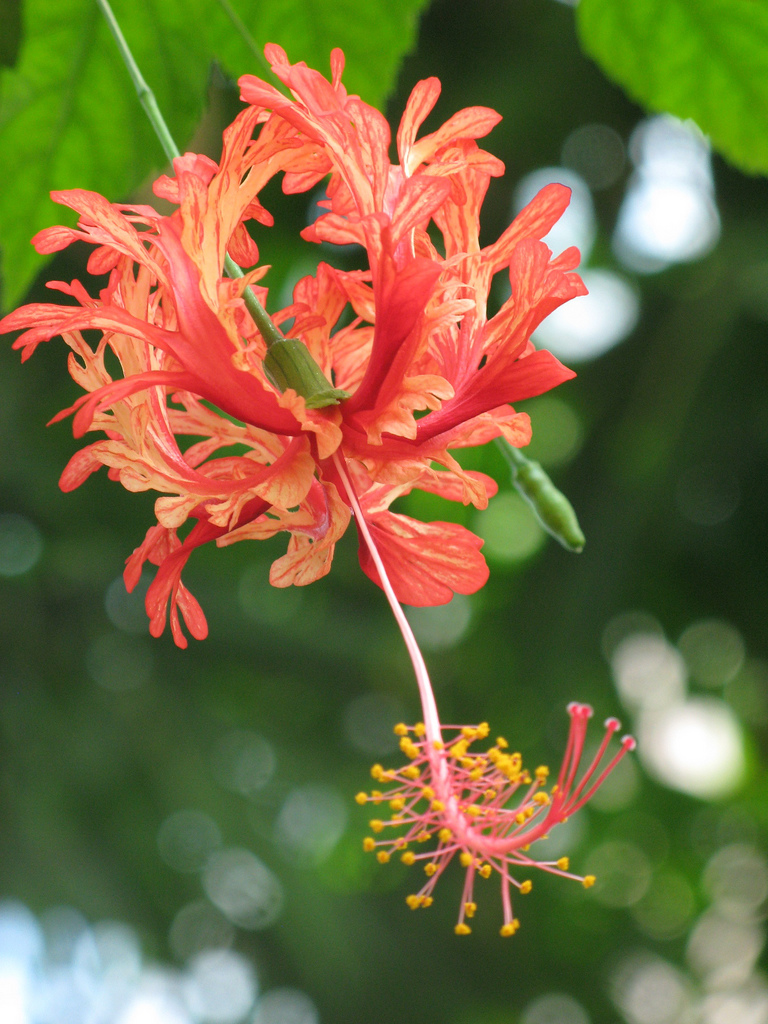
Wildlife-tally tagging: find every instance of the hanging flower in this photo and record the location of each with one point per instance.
(426, 369)
(484, 808)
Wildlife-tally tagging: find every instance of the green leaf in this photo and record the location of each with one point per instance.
(10, 37)
(700, 59)
(69, 116)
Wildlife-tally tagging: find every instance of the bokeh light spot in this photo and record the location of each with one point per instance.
(590, 325)
(20, 544)
(186, 839)
(736, 879)
(126, 611)
(648, 990)
(369, 721)
(648, 671)
(243, 762)
(558, 432)
(509, 529)
(220, 986)
(669, 213)
(625, 624)
(243, 888)
(199, 926)
(724, 952)
(444, 626)
(667, 907)
(597, 153)
(694, 746)
(554, 1008)
(623, 873)
(286, 1006)
(310, 823)
(713, 651)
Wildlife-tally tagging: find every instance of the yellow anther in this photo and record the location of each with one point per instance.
(437, 805)
(473, 810)
(437, 745)
(506, 930)
(469, 909)
(427, 901)
(542, 772)
(541, 799)
(369, 844)
(376, 824)
(493, 754)
(362, 798)
(463, 929)
(501, 742)
(467, 762)
(377, 796)
(428, 793)
(526, 886)
(469, 733)
(482, 730)
(526, 848)
(400, 843)
(413, 901)
(484, 870)
(465, 859)
(397, 804)
(445, 835)
(490, 794)
(382, 857)
(410, 772)
(475, 774)
(422, 837)
(520, 818)
(377, 771)
(588, 881)
(389, 775)
(401, 729)
(564, 863)
(419, 729)
(458, 749)
(430, 869)
(408, 857)
(409, 748)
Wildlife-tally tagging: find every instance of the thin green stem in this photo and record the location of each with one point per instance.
(303, 374)
(145, 94)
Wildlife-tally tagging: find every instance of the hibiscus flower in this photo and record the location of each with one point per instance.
(421, 369)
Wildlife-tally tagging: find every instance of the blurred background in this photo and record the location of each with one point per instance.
(179, 842)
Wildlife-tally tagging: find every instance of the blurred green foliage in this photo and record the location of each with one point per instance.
(703, 59)
(68, 112)
(92, 765)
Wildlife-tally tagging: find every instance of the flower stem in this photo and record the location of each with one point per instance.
(429, 707)
(550, 506)
(145, 94)
(287, 370)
